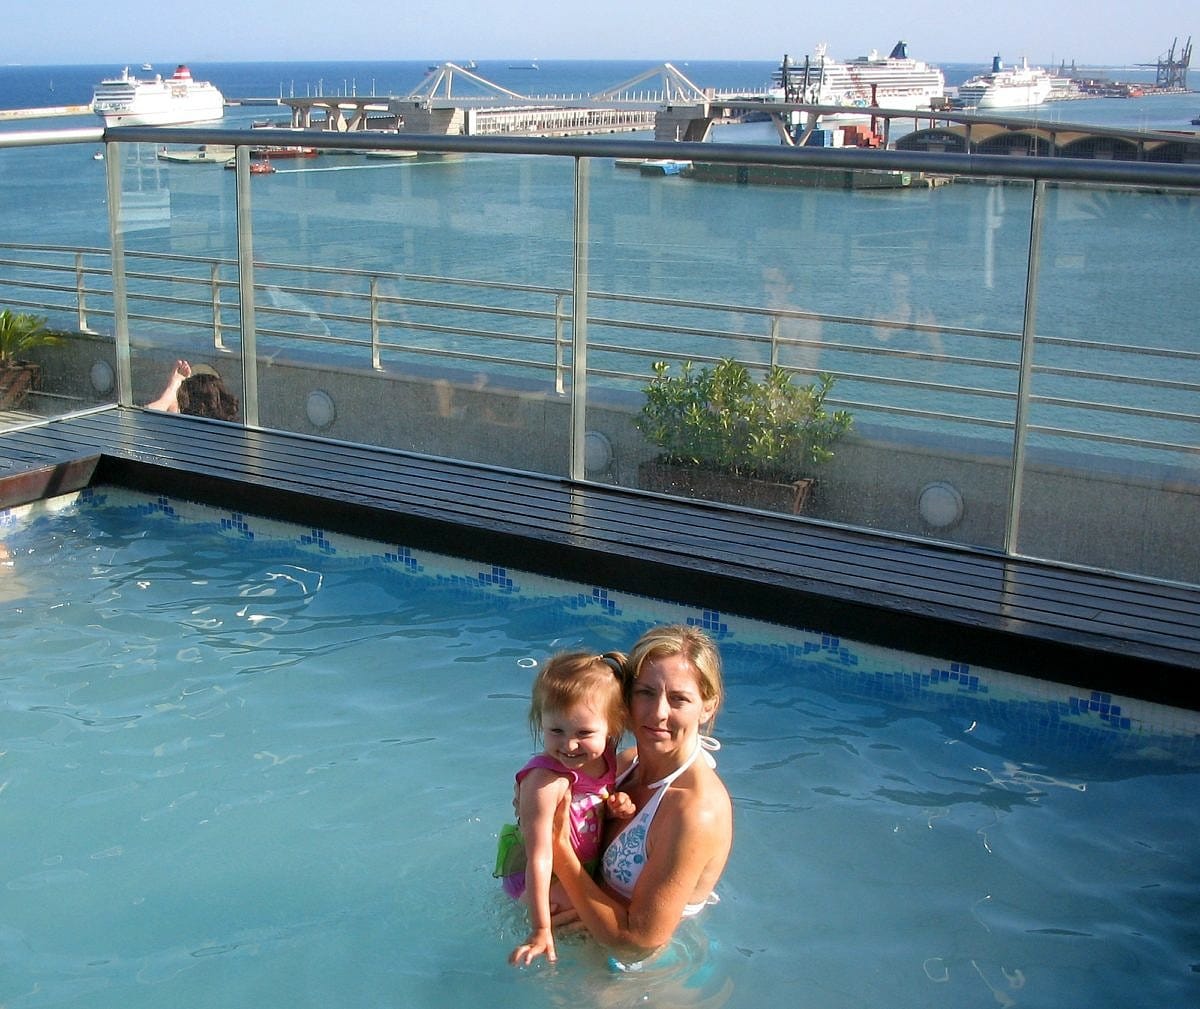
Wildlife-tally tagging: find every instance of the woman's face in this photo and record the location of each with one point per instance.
(665, 706)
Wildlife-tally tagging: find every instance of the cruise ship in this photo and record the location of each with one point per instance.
(174, 101)
(897, 82)
(1015, 88)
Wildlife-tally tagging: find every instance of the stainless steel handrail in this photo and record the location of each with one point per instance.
(207, 304)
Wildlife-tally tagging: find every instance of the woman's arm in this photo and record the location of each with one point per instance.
(541, 793)
(684, 843)
(168, 399)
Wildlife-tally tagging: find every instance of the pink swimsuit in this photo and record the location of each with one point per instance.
(586, 810)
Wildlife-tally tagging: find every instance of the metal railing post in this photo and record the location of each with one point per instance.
(245, 238)
(559, 344)
(1012, 525)
(80, 295)
(579, 313)
(374, 309)
(214, 275)
(120, 293)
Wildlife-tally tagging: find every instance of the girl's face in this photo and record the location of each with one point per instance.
(575, 735)
(666, 709)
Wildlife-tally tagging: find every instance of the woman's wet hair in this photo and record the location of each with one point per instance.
(206, 396)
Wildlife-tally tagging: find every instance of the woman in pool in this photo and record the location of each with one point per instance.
(197, 390)
(578, 710)
(663, 864)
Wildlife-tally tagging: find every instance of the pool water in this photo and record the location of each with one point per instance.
(250, 764)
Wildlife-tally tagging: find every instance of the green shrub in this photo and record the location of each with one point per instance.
(721, 419)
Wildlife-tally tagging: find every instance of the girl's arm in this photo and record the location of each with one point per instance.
(541, 793)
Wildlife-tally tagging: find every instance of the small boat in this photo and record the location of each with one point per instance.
(263, 167)
(98, 156)
(1196, 121)
(147, 66)
(391, 154)
(663, 166)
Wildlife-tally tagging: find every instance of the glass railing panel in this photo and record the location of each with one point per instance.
(177, 235)
(418, 302)
(907, 291)
(54, 266)
(1114, 434)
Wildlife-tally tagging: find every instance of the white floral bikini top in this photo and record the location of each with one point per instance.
(625, 857)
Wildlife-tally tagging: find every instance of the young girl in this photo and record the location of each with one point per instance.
(579, 712)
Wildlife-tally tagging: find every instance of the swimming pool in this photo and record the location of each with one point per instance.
(245, 763)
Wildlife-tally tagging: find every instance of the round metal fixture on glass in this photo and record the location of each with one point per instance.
(940, 504)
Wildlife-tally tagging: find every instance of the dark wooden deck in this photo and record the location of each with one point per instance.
(1095, 631)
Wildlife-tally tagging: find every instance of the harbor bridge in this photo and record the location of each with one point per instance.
(452, 100)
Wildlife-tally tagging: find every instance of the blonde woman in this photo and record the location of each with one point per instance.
(663, 864)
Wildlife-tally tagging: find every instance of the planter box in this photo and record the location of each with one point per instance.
(16, 379)
(707, 485)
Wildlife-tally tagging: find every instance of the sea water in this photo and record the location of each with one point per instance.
(250, 764)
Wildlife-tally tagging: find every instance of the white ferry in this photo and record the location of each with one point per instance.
(173, 101)
(1016, 88)
(897, 82)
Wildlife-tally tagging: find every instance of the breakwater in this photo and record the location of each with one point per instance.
(47, 113)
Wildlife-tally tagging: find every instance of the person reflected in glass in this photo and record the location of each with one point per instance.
(662, 865)
(802, 335)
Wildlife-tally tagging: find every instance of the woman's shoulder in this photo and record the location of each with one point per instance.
(703, 796)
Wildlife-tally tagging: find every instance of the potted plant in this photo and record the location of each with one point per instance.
(20, 332)
(723, 436)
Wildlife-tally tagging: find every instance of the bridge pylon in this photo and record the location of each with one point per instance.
(675, 85)
(438, 84)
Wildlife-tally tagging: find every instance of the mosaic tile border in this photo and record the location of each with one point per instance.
(1042, 709)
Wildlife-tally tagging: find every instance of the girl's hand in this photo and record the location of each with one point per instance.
(620, 805)
(539, 943)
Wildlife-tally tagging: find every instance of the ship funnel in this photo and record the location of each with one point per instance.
(997, 66)
(900, 52)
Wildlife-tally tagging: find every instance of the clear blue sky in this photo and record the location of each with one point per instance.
(122, 31)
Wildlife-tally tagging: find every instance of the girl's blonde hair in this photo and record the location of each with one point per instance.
(690, 642)
(573, 677)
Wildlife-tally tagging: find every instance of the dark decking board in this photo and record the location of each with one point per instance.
(1098, 631)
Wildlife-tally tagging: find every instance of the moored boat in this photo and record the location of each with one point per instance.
(895, 82)
(663, 166)
(283, 151)
(205, 154)
(173, 101)
(1015, 88)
